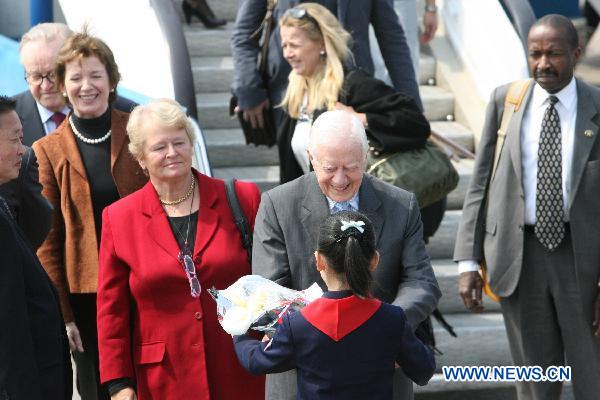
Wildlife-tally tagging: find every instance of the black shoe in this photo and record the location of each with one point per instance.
(203, 13)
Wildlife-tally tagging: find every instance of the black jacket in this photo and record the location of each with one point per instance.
(34, 357)
(395, 121)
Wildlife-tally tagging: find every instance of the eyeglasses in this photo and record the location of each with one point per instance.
(190, 270)
(36, 78)
(301, 13)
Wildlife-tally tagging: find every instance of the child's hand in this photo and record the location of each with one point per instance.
(265, 338)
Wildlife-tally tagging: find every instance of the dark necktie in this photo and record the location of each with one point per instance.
(57, 118)
(549, 212)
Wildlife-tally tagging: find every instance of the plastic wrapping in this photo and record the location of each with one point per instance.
(254, 302)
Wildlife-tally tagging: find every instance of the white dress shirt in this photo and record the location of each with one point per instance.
(530, 138)
(45, 114)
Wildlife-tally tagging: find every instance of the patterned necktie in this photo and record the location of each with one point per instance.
(342, 206)
(549, 212)
(57, 118)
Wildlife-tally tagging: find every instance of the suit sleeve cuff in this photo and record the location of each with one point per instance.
(467, 266)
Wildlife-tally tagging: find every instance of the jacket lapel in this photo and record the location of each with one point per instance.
(369, 203)
(70, 149)
(118, 122)
(586, 110)
(513, 137)
(158, 226)
(314, 209)
(208, 218)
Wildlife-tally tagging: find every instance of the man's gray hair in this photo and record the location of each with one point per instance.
(47, 32)
(337, 123)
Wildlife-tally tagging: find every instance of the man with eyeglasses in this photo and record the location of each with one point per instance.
(289, 216)
(41, 108)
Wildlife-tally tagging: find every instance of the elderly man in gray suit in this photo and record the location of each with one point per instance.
(289, 216)
(536, 219)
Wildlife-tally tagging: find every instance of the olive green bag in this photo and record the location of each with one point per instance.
(426, 172)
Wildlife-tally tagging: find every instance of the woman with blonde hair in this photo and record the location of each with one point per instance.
(323, 78)
(162, 248)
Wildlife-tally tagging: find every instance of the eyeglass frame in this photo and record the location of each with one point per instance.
(190, 271)
(50, 77)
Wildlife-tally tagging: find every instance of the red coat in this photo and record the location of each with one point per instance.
(149, 326)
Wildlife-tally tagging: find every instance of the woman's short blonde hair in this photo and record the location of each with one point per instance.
(80, 45)
(324, 87)
(165, 112)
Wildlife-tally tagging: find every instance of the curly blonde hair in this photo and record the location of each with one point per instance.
(165, 112)
(323, 88)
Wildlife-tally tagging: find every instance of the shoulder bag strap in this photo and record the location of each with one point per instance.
(239, 218)
(512, 102)
(265, 28)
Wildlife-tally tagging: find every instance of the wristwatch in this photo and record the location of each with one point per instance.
(430, 8)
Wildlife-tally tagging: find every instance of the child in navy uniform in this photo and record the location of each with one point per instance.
(346, 344)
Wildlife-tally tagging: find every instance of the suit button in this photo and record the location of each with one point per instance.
(198, 315)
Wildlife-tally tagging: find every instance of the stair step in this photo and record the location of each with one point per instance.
(439, 389)
(438, 103)
(266, 177)
(483, 335)
(228, 148)
(213, 111)
(221, 8)
(446, 272)
(455, 132)
(212, 74)
(441, 245)
(426, 69)
(203, 42)
(213, 108)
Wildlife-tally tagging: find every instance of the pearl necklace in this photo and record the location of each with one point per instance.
(88, 140)
(181, 199)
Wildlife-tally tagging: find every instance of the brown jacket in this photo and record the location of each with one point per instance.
(70, 252)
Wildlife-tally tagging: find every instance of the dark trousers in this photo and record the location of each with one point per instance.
(87, 370)
(549, 323)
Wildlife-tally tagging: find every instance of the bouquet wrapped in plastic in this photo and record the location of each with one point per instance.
(254, 302)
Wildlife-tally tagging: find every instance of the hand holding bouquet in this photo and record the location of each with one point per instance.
(254, 302)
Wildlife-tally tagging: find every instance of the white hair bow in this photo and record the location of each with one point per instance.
(353, 224)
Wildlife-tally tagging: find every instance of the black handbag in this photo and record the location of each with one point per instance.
(268, 134)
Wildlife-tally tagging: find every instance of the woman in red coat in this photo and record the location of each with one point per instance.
(161, 248)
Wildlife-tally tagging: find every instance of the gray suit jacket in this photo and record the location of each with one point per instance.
(285, 237)
(355, 17)
(497, 231)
